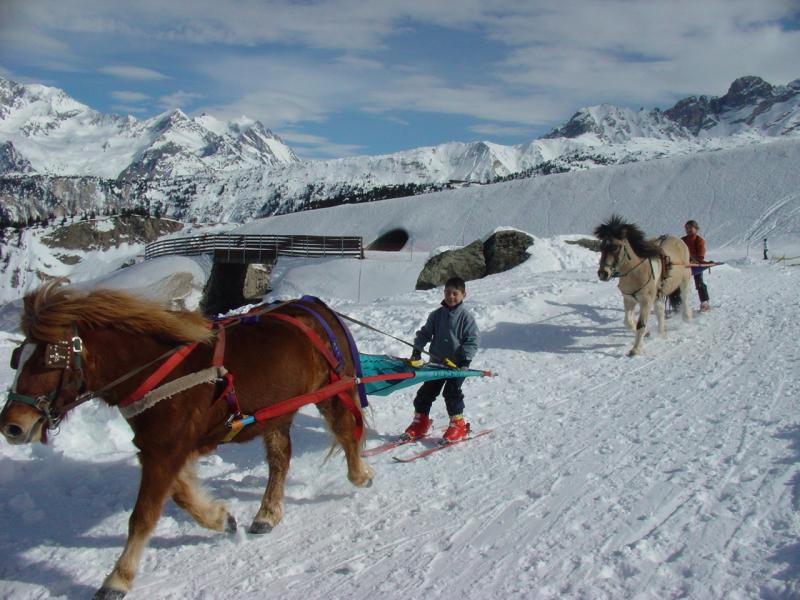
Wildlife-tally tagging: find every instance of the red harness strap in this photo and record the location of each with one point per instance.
(169, 365)
(329, 390)
(291, 404)
(228, 392)
(159, 374)
(311, 334)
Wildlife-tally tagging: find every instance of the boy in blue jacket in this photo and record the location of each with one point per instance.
(453, 335)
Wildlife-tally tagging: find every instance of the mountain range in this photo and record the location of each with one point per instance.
(60, 157)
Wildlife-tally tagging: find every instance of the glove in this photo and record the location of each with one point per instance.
(415, 361)
(449, 363)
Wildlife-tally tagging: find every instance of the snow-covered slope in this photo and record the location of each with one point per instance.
(670, 475)
(739, 196)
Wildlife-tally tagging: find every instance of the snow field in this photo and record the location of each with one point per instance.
(673, 474)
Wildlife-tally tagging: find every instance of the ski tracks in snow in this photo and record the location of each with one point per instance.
(672, 474)
(608, 477)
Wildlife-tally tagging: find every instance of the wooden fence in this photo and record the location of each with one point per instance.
(227, 248)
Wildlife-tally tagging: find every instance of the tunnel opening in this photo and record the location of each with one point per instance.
(391, 241)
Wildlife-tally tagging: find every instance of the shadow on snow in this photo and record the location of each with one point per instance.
(33, 517)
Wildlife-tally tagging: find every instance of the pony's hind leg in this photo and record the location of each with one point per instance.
(187, 493)
(278, 446)
(343, 426)
(660, 308)
(686, 309)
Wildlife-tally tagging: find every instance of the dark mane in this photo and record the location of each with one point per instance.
(618, 229)
(54, 308)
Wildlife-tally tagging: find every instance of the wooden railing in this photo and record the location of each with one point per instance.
(229, 248)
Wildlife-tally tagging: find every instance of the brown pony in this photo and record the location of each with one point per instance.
(79, 345)
(648, 272)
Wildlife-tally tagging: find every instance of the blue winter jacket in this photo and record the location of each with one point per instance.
(452, 333)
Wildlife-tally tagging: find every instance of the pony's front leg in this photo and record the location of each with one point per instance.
(187, 493)
(158, 476)
(278, 446)
(629, 303)
(645, 307)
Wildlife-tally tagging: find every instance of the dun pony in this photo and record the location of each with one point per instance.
(648, 271)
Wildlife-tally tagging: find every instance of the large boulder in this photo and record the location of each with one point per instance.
(505, 250)
(467, 262)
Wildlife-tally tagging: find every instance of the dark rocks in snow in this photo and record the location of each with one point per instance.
(467, 262)
(12, 162)
(503, 250)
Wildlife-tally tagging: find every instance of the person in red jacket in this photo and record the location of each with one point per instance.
(697, 254)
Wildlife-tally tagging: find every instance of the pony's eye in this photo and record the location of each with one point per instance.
(15, 355)
(608, 246)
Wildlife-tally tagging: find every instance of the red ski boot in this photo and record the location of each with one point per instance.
(458, 430)
(419, 427)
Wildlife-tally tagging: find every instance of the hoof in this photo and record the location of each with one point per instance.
(259, 528)
(108, 594)
(230, 526)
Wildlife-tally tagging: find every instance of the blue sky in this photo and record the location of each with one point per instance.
(350, 77)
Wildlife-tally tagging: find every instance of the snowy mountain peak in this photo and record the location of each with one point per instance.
(747, 90)
(42, 124)
(616, 124)
(751, 105)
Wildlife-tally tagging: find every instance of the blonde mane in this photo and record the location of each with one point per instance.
(54, 308)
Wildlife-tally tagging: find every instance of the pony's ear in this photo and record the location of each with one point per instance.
(623, 233)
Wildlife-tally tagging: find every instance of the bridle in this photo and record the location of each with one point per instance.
(66, 356)
(621, 254)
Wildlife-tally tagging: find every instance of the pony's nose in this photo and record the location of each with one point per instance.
(12, 432)
(602, 274)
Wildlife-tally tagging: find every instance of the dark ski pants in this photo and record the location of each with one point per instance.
(453, 396)
(700, 286)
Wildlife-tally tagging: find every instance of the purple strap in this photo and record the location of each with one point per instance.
(362, 392)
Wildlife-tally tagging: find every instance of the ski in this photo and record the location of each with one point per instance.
(402, 440)
(440, 446)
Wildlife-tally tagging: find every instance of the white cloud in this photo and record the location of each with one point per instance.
(519, 63)
(125, 109)
(127, 96)
(493, 130)
(131, 72)
(314, 146)
(178, 99)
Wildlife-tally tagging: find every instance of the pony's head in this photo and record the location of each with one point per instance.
(614, 235)
(53, 365)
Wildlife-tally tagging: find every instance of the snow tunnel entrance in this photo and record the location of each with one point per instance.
(391, 241)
